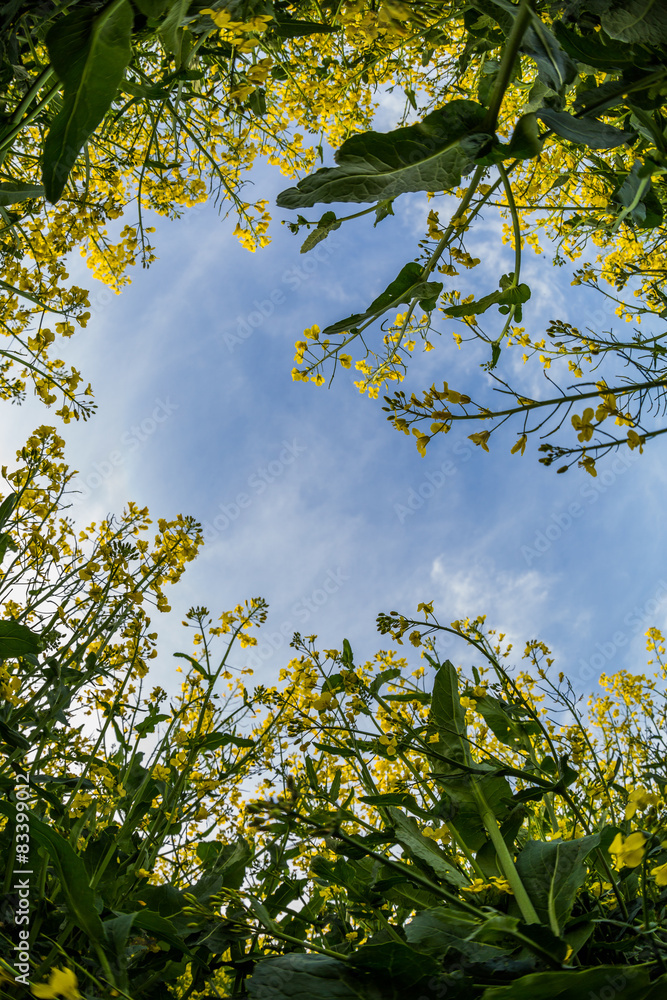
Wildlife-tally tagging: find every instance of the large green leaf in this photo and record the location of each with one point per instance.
(658, 989)
(374, 166)
(13, 192)
(447, 715)
(18, 640)
(594, 49)
(71, 873)
(460, 804)
(403, 289)
(394, 960)
(587, 131)
(410, 837)
(162, 929)
(622, 982)
(639, 203)
(89, 52)
(443, 932)
(503, 723)
(642, 21)
(302, 977)
(552, 871)
(554, 66)
(152, 8)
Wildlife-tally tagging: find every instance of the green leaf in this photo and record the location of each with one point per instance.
(327, 224)
(636, 197)
(149, 724)
(410, 837)
(447, 715)
(552, 872)
(89, 52)
(12, 192)
(287, 27)
(623, 982)
(12, 738)
(501, 721)
(460, 803)
(376, 166)
(213, 741)
(404, 799)
(6, 542)
(554, 66)
(7, 508)
(642, 21)
(257, 102)
(71, 873)
(162, 929)
(525, 142)
(587, 131)
(383, 210)
(18, 640)
(302, 977)
(396, 961)
(444, 932)
(194, 663)
(334, 791)
(403, 289)
(312, 774)
(658, 989)
(594, 49)
(171, 32)
(392, 672)
(227, 861)
(424, 697)
(514, 295)
(436, 929)
(345, 752)
(152, 8)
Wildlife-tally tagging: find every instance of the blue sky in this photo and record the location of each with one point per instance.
(308, 496)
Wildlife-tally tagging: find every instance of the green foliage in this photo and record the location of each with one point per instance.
(89, 52)
(374, 166)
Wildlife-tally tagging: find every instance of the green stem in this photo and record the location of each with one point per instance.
(510, 53)
(11, 135)
(505, 858)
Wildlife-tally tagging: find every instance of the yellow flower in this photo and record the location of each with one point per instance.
(660, 874)
(477, 885)
(628, 852)
(639, 798)
(583, 424)
(520, 445)
(62, 983)
(480, 438)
